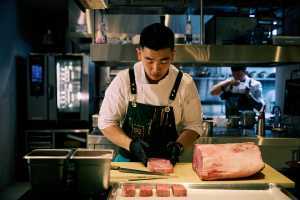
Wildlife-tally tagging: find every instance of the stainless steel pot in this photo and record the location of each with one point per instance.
(247, 119)
(233, 121)
(208, 126)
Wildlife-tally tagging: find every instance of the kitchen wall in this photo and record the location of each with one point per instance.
(11, 46)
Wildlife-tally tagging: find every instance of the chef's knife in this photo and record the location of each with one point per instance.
(137, 171)
(146, 178)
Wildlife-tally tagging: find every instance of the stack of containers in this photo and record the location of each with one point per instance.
(52, 170)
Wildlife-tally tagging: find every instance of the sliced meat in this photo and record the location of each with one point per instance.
(179, 190)
(226, 161)
(146, 190)
(163, 190)
(160, 165)
(128, 190)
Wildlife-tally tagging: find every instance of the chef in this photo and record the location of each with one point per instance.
(240, 92)
(151, 109)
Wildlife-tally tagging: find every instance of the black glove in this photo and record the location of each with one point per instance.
(138, 149)
(174, 149)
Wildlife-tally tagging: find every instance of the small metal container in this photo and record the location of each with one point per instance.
(47, 169)
(233, 121)
(247, 119)
(92, 169)
(208, 126)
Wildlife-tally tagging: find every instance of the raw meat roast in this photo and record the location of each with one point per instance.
(226, 161)
(160, 165)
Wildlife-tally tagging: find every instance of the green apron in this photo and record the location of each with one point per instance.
(235, 102)
(153, 124)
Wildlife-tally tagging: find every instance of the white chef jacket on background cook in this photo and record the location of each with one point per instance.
(187, 108)
(254, 86)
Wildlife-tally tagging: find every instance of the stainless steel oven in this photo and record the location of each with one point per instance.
(57, 88)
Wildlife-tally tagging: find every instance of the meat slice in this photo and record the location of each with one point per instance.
(226, 161)
(146, 190)
(179, 190)
(163, 190)
(128, 190)
(160, 165)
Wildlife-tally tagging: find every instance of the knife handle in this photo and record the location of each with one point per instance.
(115, 167)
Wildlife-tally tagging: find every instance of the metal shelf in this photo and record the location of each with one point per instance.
(266, 55)
(208, 78)
(222, 78)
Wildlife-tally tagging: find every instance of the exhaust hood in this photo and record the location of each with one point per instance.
(94, 4)
(196, 54)
(104, 4)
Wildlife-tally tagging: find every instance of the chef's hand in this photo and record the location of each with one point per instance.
(234, 82)
(138, 149)
(174, 149)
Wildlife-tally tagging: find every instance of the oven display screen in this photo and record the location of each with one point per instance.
(36, 73)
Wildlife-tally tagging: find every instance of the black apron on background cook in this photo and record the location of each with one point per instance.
(235, 102)
(153, 124)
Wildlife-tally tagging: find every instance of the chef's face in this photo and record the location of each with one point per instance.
(156, 63)
(238, 75)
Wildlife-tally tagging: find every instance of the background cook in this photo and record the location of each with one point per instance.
(240, 92)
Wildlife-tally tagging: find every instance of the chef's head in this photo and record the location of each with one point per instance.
(239, 72)
(156, 51)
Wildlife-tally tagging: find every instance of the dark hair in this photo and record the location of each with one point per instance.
(238, 68)
(157, 36)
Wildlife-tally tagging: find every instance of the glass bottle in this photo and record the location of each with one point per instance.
(95, 129)
(188, 30)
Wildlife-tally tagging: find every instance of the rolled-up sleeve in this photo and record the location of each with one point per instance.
(192, 111)
(114, 104)
(256, 91)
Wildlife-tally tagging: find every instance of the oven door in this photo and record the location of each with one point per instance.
(292, 97)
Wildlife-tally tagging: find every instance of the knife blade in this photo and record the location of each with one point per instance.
(148, 178)
(137, 171)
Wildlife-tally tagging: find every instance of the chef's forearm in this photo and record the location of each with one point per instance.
(217, 89)
(187, 138)
(117, 136)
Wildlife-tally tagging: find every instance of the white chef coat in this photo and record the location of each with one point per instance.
(255, 88)
(187, 108)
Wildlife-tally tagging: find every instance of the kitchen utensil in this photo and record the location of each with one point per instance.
(92, 169)
(146, 178)
(233, 121)
(208, 126)
(260, 130)
(247, 118)
(136, 171)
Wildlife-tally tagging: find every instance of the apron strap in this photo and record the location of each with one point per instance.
(132, 81)
(176, 86)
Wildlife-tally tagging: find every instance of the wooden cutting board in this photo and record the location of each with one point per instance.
(183, 173)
